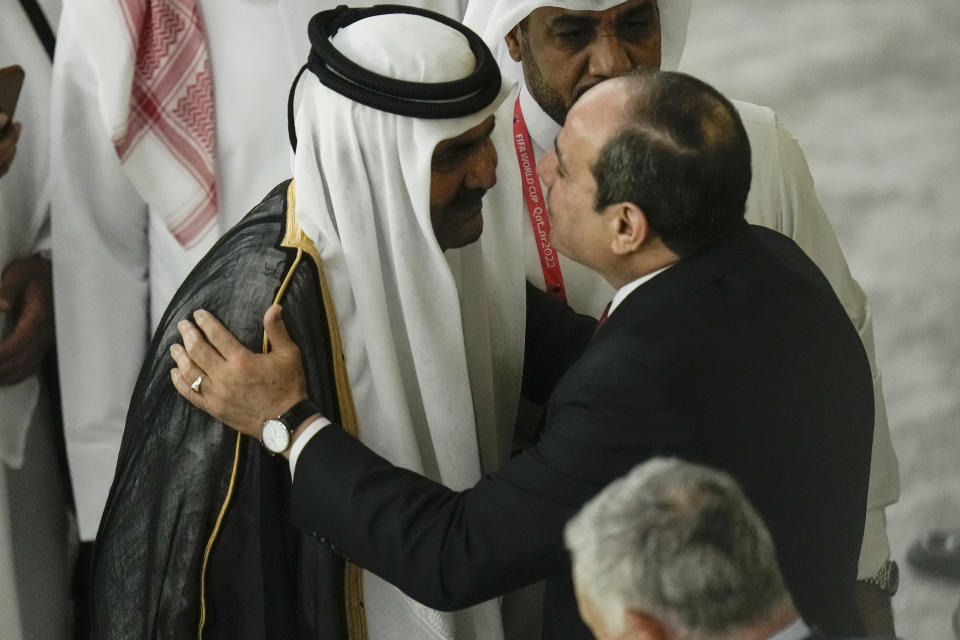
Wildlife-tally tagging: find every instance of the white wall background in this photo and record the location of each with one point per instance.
(871, 89)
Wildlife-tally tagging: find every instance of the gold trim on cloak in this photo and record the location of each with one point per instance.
(295, 238)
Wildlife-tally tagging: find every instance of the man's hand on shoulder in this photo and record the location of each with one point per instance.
(9, 135)
(240, 388)
(26, 299)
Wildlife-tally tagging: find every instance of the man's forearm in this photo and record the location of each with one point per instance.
(446, 549)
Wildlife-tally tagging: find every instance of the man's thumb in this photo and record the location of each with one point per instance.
(276, 329)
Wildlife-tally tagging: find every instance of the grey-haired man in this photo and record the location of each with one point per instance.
(674, 550)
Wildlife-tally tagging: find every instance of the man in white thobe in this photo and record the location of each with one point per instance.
(387, 207)
(119, 262)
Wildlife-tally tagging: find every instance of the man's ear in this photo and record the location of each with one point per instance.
(630, 228)
(513, 42)
(645, 626)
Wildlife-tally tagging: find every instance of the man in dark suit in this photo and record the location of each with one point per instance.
(724, 345)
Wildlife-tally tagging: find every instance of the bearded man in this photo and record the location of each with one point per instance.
(392, 157)
(560, 48)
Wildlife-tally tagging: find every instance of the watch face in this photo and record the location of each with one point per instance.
(275, 436)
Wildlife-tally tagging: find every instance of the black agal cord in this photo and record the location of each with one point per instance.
(430, 100)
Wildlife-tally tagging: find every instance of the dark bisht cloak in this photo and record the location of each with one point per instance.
(198, 514)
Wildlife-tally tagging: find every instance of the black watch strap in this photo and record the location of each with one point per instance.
(298, 413)
(887, 579)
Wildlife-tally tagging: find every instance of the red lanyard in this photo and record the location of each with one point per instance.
(536, 206)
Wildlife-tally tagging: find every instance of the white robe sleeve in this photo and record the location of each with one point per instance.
(782, 197)
(99, 236)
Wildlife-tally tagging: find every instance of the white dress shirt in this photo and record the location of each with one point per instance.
(297, 447)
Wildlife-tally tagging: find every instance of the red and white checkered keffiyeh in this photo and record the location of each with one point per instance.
(162, 112)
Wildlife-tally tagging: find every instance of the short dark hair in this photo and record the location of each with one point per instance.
(682, 155)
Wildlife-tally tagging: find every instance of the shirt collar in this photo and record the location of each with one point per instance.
(627, 289)
(798, 630)
(543, 129)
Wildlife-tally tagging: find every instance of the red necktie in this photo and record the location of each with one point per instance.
(603, 316)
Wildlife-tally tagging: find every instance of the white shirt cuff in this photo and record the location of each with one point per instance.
(312, 429)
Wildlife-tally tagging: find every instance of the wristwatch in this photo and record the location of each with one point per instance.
(887, 579)
(277, 432)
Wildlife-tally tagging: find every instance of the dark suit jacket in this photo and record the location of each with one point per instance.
(740, 357)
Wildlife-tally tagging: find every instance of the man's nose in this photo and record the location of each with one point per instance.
(483, 172)
(608, 57)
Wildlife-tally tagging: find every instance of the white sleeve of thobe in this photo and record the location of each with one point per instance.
(790, 192)
(99, 239)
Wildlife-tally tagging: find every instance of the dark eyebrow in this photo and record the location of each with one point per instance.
(641, 11)
(573, 21)
(483, 136)
(493, 123)
(580, 20)
(454, 148)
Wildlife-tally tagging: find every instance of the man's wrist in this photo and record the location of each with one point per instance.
(277, 434)
(303, 438)
(299, 432)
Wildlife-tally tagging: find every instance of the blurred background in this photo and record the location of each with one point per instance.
(871, 89)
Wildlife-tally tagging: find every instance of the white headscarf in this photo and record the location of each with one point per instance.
(493, 20)
(420, 370)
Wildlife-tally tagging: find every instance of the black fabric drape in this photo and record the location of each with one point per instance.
(264, 578)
